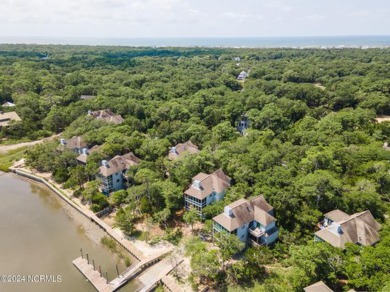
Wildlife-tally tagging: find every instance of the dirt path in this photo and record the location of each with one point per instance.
(6, 148)
(381, 119)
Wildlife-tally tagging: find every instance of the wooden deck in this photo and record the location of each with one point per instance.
(101, 284)
(92, 275)
(134, 270)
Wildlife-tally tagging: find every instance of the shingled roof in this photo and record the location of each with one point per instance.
(318, 287)
(204, 184)
(75, 142)
(358, 228)
(182, 148)
(107, 116)
(84, 157)
(243, 212)
(5, 118)
(336, 215)
(118, 164)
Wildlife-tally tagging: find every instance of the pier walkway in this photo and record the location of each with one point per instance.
(102, 285)
(134, 270)
(153, 276)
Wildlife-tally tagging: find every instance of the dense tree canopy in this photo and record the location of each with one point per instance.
(313, 143)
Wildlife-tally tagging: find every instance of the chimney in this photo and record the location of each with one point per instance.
(173, 150)
(228, 211)
(62, 141)
(105, 163)
(89, 112)
(85, 151)
(196, 184)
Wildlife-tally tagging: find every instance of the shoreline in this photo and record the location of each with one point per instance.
(128, 246)
(265, 42)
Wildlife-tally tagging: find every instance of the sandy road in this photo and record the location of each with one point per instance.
(6, 148)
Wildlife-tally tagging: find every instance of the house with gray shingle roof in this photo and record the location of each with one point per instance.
(107, 115)
(76, 144)
(205, 189)
(83, 157)
(318, 287)
(6, 118)
(182, 149)
(112, 172)
(339, 228)
(251, 221)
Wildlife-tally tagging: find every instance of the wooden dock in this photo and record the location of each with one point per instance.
(134, 270)
(92, 275)
(102, 285)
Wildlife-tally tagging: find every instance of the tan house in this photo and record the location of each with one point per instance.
(76, 144)
(107, 115)
(6, 118)
(182, 149)
(339, 228)
(205, 189)
(318, 287)
(251, 220)
(111, 173)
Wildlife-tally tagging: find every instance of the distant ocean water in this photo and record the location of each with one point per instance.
(256, 42)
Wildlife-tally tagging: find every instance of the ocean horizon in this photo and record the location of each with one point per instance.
(241, 42)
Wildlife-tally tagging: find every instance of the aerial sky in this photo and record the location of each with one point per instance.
(193, 18)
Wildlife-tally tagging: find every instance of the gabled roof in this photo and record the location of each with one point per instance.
(107, 116)
(262, 216)
(358, 228)
(318, 287)
(5, 118)
(336, 215)
(243, 212)
(204, 184)
(182, 148)
(75, 142)
(262, 203)
(118, 164)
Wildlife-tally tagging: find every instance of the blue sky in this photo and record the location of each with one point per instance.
(193, 18)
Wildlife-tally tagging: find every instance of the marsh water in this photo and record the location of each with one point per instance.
(41, 235)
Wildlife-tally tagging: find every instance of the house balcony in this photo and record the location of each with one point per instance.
(256, 232)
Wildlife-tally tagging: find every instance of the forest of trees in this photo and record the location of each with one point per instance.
(313, 145)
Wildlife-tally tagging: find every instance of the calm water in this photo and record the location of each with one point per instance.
(255, 42)
(41, 235)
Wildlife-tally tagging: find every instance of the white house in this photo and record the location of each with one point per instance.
(252, 221)
(9, 104)
(205, 189)
(242, 76)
